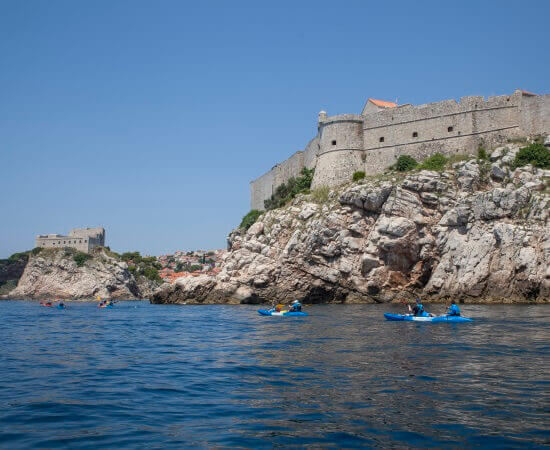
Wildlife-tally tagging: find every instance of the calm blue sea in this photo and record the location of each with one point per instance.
(151, 376)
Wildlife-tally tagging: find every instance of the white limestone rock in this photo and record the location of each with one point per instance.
(308, 210)
(440, 235)
(53, 274)
(497, 173)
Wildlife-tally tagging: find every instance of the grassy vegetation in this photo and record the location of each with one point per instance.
(287, 191)
(482, 154)
(458, 158)
(435, 162)
(405, 163)
(80, 258)
(250, 218)
(146, 266)
(359, 175)
(536, 154)
(21, 256)
(7, 286)
(12, 267)
(320, 195)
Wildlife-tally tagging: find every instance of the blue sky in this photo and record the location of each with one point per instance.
(150, 118)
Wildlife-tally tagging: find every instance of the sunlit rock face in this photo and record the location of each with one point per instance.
(476, 233)
(54, 274)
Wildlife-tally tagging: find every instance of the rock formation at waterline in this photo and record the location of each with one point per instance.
(477, 233)
(55, 274)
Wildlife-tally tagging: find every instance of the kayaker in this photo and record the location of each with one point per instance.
(61, 305)
(418, 309)
(296, 306)
(453, 310)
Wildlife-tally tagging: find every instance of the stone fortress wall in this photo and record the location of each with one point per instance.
(375, 139)
(82, 239)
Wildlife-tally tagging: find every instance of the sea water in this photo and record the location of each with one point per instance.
(161, 376)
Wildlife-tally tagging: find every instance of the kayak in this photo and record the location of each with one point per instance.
(48, 305)
(106, 306)
(411, 318)
(60, 306)
(270, 312)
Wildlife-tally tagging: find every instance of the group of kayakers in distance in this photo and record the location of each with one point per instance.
(60, 305)
(419, 311)
(416, 310)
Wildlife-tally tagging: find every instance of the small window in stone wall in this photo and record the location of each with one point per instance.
(415, 133)
(333, 142)
(449, 129)
(382, 139)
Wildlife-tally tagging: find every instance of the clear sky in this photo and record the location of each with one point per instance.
(150, 118)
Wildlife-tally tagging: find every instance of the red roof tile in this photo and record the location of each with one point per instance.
(383, 103)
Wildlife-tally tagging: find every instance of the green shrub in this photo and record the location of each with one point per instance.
(536, 154)
(80, 258)
(22, 255)
(320, 195)
(359, 175)
(135, 257)
(7, 286)
(482, 154)
(405, 163)
(287, 191)
(434, 162)
(250, 218)
(152, 274)
(36, 250)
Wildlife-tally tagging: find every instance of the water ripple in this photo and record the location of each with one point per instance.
(222, 376)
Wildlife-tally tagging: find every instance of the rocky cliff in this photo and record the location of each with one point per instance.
(56, 274)
(477, 232)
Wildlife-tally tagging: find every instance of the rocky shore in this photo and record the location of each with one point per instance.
(56, 274)
(477, 232)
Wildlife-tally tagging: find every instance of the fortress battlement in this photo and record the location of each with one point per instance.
(373, 140)
(82, 239)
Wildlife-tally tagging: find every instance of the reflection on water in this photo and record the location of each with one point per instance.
(142, 375)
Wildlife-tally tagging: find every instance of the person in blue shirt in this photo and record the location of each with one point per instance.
(296, 306)
(453, 310)
(418, 309)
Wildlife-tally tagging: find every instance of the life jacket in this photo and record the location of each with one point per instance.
(419, 310)
(454, 310)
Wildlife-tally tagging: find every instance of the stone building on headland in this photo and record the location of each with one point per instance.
(82, 239)
(373, 140)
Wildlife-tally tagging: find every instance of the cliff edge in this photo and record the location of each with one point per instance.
(476, 232)
(68, 274)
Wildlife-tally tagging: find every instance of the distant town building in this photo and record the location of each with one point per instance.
(82, 239)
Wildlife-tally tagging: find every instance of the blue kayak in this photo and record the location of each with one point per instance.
(411, 318)
(272, 312)
(61, 306)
